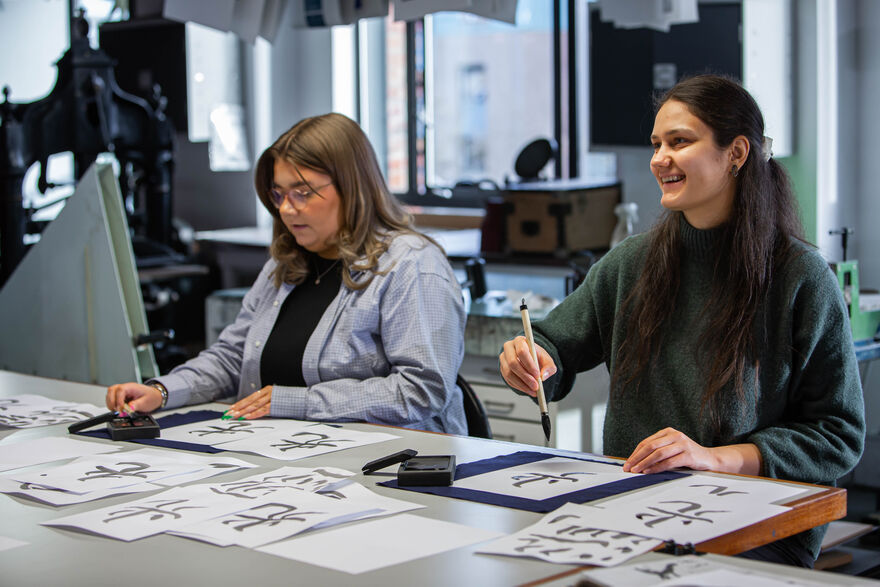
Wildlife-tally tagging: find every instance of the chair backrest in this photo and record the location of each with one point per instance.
(477, 419)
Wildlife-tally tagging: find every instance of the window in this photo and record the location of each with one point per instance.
(490, 92)
(463, 95)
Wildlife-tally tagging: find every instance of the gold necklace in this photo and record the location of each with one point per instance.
(325, 272)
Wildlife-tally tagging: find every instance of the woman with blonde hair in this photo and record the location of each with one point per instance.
(356, 317)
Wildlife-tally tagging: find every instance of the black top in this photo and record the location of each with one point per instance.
(282, 358)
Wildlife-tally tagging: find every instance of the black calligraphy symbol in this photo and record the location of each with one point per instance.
(548, 545)
(243, 488)
(277, 513)
(318, 479)
(574, 538)
(331, 474)
(16, 420)
(574, 529)
(7, 402)
(44, 417)
(139, 470)
(224, 466)
(720, 490)
(686, 514)
(271, 483)
(536, 538)
(230, 428)
(549, 478)
(258, 487)
(39, 487)
(33, 418)
(317, 440)
(163, 509)
(61, 413)
(668, 572)
(537, 543)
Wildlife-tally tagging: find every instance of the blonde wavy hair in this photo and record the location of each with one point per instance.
(334, 145)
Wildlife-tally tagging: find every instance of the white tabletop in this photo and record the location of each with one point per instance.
(65, 557)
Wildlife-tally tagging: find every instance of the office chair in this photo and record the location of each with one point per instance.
(477, 419)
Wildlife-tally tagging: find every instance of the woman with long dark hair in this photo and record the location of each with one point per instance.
(356, 317)
(724, 331)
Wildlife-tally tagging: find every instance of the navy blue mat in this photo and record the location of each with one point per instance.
(541, 506)
(169, 422)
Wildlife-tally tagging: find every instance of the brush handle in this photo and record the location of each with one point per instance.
(527, 327)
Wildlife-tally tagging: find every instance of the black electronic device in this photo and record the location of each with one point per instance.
(121, 427)
(427, 471)
(133, 426)
(387, 461)
(534, 157)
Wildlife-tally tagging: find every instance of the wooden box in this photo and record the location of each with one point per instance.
(560, 217)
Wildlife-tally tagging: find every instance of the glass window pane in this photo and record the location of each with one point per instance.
(490, 91)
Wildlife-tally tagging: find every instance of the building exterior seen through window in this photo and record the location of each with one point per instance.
(482, 90)
(491, 92)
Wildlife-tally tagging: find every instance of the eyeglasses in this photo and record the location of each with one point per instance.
(298, 197)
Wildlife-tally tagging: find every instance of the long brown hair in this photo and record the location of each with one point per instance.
(334, 145)
(754, 241)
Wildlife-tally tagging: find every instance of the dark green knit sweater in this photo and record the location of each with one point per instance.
(807, 418)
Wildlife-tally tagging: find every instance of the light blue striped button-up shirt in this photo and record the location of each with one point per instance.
(387, 354)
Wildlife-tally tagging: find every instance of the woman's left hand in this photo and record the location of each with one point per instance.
(669, 449)
(256, 405)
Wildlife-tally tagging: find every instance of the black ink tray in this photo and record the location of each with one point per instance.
(129, 427)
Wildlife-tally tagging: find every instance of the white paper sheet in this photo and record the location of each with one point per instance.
(732, 488)
(209, 465)
(30, 411)
(272, 518)
(262, 484)
(569, 536)
(101, 472)
(379, 505)
(308, 442)
(170, 510)
(692, 509)
(367, 546)
(544, 479)
(200, 467)
(275, 493)
(218, 432)
(7, 543)
(689, 570)
(48, 449)
(58, 497)
(650, 573)
(328, 481)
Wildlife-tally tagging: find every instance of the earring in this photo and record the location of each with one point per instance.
(734, 170)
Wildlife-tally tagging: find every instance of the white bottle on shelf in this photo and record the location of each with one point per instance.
(627, 214)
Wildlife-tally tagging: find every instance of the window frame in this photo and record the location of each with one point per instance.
(565, 100)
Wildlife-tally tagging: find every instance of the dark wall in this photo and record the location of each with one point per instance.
(628, 66)
(211, 200)
(153, 51)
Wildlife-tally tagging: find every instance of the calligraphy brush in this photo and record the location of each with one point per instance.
(542, 401)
